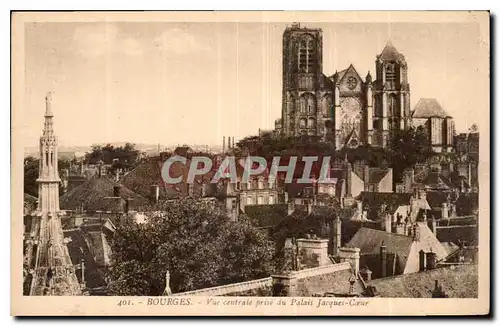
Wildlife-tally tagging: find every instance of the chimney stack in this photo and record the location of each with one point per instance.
(336, 236)
(366, 176)
(383, 260)
(223, 144)
(155, 193)
(431, 260)
(116, 191)
(416, 233)
(350, 255)
(366, 274)
(444, 210)
(421, 260)
(291, 207)
(128, 205)
(313, 252)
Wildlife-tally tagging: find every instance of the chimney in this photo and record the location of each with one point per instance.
(223, 144)
(383, 260)
(444, 210)
(350, 255)
(434, 226)
(116, 190)
(313, 252)
(366, 176)
(438, 291)
(336, 234)
(359, 206)
(203, 190)
(232, 146)
(421, 260)
(388, 222)
(453, 210)
(366, 274)
(416, 233)
(128, 205)
(291, 207)
(155, 193)
(430, 260)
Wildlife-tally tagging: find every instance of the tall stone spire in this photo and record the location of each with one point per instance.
(48, 176)
(54, 273)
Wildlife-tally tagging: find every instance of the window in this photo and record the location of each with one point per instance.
(249, 201)
(312, 123)
(260, 200)
(271, 200)
(249, 185)
(303, 123)
(306, 54)
(261, 184)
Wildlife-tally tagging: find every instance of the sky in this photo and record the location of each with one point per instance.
(193, 83)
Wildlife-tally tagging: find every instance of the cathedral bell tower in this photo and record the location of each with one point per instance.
(302, 81)
(392, 94)
(48, 180)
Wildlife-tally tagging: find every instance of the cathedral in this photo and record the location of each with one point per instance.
(343, 108)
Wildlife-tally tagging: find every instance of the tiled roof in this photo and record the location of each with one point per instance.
(437, 198)
(390, 53)
(377, 174)
(370, 240)
(427, 108)
(457, 282)
(94, 195)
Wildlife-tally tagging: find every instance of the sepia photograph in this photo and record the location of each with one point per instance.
(258, 163)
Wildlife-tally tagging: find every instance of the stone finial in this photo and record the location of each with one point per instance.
(167, 290)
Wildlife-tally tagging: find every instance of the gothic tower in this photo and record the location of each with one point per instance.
(48, 180)
(53, 271)
(391, 92)
(307, 96)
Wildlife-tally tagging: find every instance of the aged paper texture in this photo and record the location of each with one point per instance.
(250, 163)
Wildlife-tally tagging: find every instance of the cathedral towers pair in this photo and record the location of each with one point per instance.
(342, 108)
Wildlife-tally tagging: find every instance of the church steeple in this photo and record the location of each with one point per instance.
(53, 270)
(48, 175)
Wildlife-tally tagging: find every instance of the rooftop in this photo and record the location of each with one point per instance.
(428, 108)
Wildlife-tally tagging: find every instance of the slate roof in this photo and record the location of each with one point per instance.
(437, 198)
(375, 175)
(457, 282)
(390, 53)
(370, 240)
(428, 108)
(96, 195)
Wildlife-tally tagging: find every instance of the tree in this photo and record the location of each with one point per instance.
(408, 147)
(195, 242)
(31, 167)
(121, 157)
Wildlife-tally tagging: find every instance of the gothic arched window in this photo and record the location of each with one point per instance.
(306, 54)
(312, 123)
(303, 123)
(307, 104)
(326, 104)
